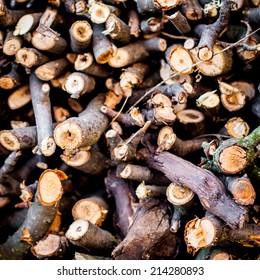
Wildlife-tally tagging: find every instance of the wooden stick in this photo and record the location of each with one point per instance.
(80, 35)
(151, 25)
(19, 97)
(216, 252)
(145, 6)
(231, 98)
(102, 47)
(92, 162)
(78, 84)
(234, 155)
(11, 44)
(30, 57)
(99, 12)
(9, 164)
(241, 188)
(180, 22)
(43, 118)
(210, 103)
(133, 75)
(143, 191)
(134, 172)
(27, 23)
(39, 217)
(53, 246)
(117, 29)
(237, 128)
(84, 234)
(12, 79)
(135, 52)
(179, 59)
(52, 69)
(168, 4)
(84, 130)
(93, 208)
(19, 139)
(192, 122)
(131, 119)
(9, 18)
(211, 33)
(192, 10)
(133, 23)
(85, 63)
(149, 234)
(123, 196)
(126, 150)
(199, 181)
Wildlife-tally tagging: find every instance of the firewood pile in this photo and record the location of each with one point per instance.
(130, 129)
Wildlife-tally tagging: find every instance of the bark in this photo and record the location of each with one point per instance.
(30, 57)
(121, 191)
(38, 220)
(210, 190)
(102, 47)
(80, 35)
(92, 162)
(180, 22)
(84, 130)
(43, 118)
(211, 33)
(11, 44)
(84, 234)
(19, 97)
(52, 69)
(149, 236)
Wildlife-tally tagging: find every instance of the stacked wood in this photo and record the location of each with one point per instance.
(151, 109)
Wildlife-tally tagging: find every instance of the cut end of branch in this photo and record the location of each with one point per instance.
(205, 54)
(93, 209)
(243, 192)
(47, 146)
(76, 159)
(233, 160)
(77, 230)
(179, 195)
(50, 187)
(199, 233)
(9, 140)
(68, 135)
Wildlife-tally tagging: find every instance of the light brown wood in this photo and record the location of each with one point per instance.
(220, 64)
(11, 44)
(27, 23)
(19, 97)
(80, 35)
(231, 98)
(179, 195)
(167, 4)
(29, 57)
(93, 209)
(209, 102)
(237, 128)
(166, 139)
(180, 22)
(99, 12)
(179, 59)
(49, 186)
(52, 69)
(233, 160)
(135, 172)
(60, 114)
(143, 191)
(77, 84)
